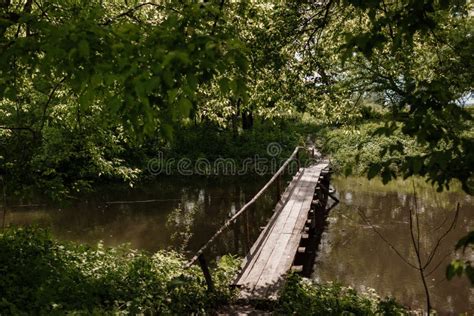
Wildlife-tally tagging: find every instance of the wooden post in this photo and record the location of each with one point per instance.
(298, 159)
(278, 183)
(4, 202)
(205, 271)
(231, 220)
(247, 232)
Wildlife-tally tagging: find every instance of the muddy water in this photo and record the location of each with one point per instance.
(182, 213)
(177, 213)
(353, 253)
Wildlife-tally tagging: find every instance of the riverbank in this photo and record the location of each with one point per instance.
(41, 275)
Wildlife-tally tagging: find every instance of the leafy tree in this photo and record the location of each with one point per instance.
(417, 57)
(126, 70)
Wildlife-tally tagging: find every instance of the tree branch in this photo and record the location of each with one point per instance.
(13, 128)
(221, 6)
(132, 10)
(50, 98)
(440, 239)
(385, 240)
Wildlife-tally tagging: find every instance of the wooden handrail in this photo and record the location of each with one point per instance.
(246, 206)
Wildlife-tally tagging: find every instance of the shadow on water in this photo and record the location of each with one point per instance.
(353, 254)
(179, 213)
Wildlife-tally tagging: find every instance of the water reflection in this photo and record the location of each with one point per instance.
(178, 213)
(182, 213)
(353, 254)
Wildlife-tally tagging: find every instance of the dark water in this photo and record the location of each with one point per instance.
(188, 210)
(352, 253)
(173, 213)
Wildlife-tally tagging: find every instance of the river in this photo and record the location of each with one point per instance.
(182, 213)
(354, 254)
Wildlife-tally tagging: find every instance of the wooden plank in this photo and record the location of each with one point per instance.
(262, 239)
(289, 252)
(300, 198)
(250, 279)
(271, 238)
(278, 208)
(273, 253)
(284, 233)
(269, 279)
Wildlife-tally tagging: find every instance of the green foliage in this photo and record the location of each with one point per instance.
(112, 76)
(356, 150)
(211, 141)
(83, 84)
(145, 61)
(412, 18)
(302, 297)
(458, 267)
(139, 69)
(40, 275)
(91, 90)
(414, 58)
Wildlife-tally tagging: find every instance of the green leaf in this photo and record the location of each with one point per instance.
(450, 271)
(224, 85)
(374, 170)
(241, 62)
(383, 130)
(417, 164)
(456, 267)
(172, 94)
(386, 175)
(184, 107)
(465, 241)
(83, 48)
(167, 131)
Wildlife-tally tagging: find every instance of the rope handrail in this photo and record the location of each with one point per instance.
(243, 208)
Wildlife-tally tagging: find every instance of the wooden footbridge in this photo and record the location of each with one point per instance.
(290, 239)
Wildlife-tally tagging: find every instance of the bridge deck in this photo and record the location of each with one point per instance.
(273, 253)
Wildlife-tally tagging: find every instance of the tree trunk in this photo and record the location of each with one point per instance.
(247, 120)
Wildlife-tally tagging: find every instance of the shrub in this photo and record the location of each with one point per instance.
(354, 148)
(303, 297)
(39, 275)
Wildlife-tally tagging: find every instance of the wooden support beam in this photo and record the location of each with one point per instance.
(330, 194)
(298, 159)
(205, 271)
(278, 185)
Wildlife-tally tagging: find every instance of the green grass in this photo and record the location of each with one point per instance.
(362, 184)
